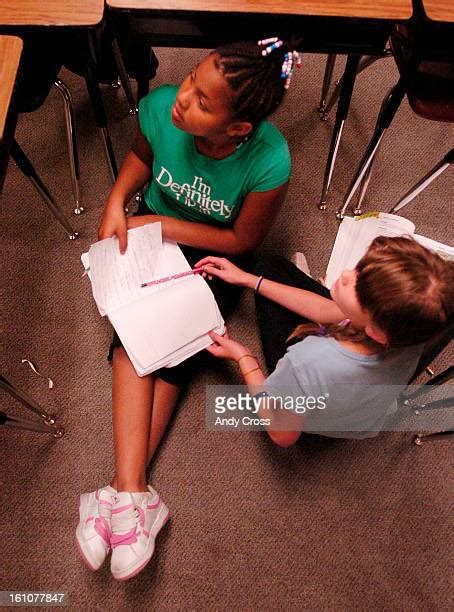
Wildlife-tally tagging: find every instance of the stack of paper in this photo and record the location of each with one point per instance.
(356, 233)
(160, 325)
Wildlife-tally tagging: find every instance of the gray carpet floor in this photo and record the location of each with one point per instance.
(331, 525)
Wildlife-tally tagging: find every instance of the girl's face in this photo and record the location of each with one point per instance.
(344, 294)
(202, 105)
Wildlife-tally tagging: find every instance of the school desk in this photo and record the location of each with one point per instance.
(10, 52)
(439, 10)
(31, 13)
(75, 13)
(52, 15)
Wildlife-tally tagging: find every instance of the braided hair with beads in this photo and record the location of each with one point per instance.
(258, 73)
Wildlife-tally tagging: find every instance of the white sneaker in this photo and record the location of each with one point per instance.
(136, 521)
(300, 261)
(93, 531)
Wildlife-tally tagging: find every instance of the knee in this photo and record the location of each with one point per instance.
(284, 439)
(270, 266)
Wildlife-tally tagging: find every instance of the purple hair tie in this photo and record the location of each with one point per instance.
(321, 330)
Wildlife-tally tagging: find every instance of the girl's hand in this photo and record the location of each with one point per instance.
(226, 271)
(226, 348)
(113, 223)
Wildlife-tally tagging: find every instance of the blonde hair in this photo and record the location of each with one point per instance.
(407, 290)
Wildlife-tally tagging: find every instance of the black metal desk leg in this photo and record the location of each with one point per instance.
(98, 108)
(388, 109)
(72, 142)
(421, 437)
(348, 82)
(26, 167)
(124, 78)
(439, 168)
(330, 61)
(49, 421)
(6, 141)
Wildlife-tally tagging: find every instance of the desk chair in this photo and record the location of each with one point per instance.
(425, 59)
(43, 56)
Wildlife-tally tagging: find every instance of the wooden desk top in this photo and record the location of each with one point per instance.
(439, 10)
(372, 9)
(51, 12)
(10, 52)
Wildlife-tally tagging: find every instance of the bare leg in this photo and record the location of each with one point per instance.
(155, 398)
(132, 406)
(165, 397)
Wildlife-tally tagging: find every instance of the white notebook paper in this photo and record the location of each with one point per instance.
(356, 233)
(160, 325)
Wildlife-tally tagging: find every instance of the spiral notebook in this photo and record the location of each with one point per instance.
(159, 325)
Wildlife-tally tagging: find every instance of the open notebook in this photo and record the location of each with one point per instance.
(160, 325)
(356, 233)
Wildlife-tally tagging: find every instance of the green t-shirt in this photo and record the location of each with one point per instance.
(191, 186)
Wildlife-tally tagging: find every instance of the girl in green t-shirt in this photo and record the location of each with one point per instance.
(213, 127)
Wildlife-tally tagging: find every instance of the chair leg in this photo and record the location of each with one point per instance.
(341, 115)
(389, 108)
(363, 188)
(330, 61)
(442, 165)
(27, 168)
(143, 83)
(365, 62)
(49, 421)
(98, 108)
(72, 143)
(8, 420)
(430, 437)
(124, 78)
(358, 210)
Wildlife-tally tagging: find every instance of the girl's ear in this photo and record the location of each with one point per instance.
(376, 334)
(239, 128)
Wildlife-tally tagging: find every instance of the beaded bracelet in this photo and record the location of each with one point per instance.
(257, 286)
(250, 371)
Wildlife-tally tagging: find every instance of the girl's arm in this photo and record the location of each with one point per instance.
(134, 173)
(302, 302)
(255, 219)
(253, 377)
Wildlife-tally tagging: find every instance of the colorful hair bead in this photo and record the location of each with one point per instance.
(275, 44)
(290, 59)
(267, 41)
